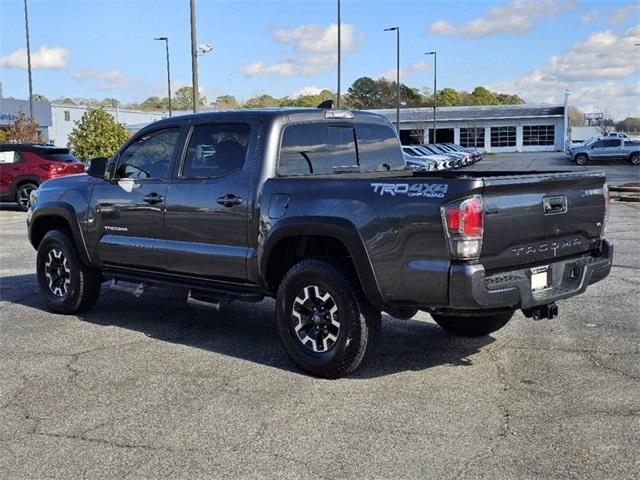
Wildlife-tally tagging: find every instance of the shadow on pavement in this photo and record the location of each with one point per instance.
(10, 207)
(248, 331)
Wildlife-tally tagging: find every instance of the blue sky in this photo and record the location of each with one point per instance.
(536, 48)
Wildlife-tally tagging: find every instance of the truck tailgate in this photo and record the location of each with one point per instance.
(534, 218)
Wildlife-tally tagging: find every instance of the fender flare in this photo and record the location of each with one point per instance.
(66, 212)
(338, 228)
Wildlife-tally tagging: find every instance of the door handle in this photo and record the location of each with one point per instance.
(229, 200)
(153, 198)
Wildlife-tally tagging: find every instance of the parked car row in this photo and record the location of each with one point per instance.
(439, 156)
(23, 167)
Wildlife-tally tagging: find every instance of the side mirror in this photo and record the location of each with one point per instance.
(96, 167)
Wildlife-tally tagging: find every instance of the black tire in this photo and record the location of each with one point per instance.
(581, 159)
(635, 158)
(23, 193)
(311, 339)
(472, 326)
(67, 285)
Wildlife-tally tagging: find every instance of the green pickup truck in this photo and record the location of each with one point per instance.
(606, 149)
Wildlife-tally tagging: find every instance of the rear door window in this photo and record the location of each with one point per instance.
(378, 147)
(316, 148)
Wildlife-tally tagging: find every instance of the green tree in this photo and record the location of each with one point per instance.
(482, 96)
(156, 104)
(448, 97)
(39, 98)
(506, 99)
(23, 130)
(96, 134)
(262, 101)
(225, 102)
(364, 93)
(629, 124)
(183, 99)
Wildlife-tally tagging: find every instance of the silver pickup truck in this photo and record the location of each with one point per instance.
(606, 149)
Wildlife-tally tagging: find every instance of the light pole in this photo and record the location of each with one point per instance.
(435, 66)
(194, 57)
(339, 55)
(397, 30)
(26, 26)
(166, 41)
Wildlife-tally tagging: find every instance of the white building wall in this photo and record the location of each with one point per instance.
(63, 118)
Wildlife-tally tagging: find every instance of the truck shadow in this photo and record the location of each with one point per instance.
(248, 331)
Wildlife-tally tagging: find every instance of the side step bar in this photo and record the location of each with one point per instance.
(211, 303)
(136, 289)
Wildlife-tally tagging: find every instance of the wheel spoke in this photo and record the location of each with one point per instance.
(315, 319)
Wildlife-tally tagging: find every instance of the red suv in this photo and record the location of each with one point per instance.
(24, 167)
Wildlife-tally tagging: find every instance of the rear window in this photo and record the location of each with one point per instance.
(320, 148)
(60, 157)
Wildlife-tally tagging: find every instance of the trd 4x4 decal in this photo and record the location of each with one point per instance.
(432, 190)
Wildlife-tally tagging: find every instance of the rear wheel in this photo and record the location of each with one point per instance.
(581, 159)
(472, 326)
(635, 158)
(23, 194)
(68, 286)
(326, 325)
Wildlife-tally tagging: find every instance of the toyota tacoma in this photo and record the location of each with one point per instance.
(316, 208)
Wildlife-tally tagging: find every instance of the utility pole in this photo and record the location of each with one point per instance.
(339, 55)
(166, 40)
(397, 30)
(194, 57)
(435, 90)
(567, 138)
(26, 25)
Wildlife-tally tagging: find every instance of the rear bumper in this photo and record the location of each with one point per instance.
(471, 288)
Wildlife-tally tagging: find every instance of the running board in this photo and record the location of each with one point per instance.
(200, 303)
(136, 289)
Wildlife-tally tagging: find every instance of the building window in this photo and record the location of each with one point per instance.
(472, 137)
(503, 136)
(67, 116)
(538, 135)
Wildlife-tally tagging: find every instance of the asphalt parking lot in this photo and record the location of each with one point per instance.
(617, 172)
(152, 388)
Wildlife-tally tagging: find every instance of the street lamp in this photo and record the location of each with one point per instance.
(26, 26)
(166, 41)
(339, 55)
(435, 66)
(397, 30)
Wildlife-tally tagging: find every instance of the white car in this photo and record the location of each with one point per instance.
(414, 156)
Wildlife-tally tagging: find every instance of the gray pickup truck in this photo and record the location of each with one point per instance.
(316, 208)
(606, 149)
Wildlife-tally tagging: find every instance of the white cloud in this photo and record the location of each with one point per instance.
(589, 17)
(314, 50)
(598, 71)
(45, 58)
(621, 14)
(516, 17)
(104, 80)
(309, 90)
(406, 71)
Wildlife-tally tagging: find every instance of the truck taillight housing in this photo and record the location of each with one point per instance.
(464, 227)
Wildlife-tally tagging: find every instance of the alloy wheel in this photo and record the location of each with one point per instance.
(57, 273)
(23, 196)
(315, 319)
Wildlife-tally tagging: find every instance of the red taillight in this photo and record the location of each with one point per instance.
(472, 217)
(464, 225)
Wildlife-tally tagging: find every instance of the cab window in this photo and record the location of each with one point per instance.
(216, 150)
(149, 156)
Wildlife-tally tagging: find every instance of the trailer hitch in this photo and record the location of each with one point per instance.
(549, 311)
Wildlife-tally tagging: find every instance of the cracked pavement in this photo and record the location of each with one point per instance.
(152, 388)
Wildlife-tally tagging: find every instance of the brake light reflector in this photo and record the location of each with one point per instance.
(464, 227)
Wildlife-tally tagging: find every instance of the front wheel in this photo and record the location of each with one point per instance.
(472, 326)
(68, 286)
(635, 158)
(326, 325)
(581, 159)
(23, 194)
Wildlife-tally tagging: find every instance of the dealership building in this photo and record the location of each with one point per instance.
(492, 128)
